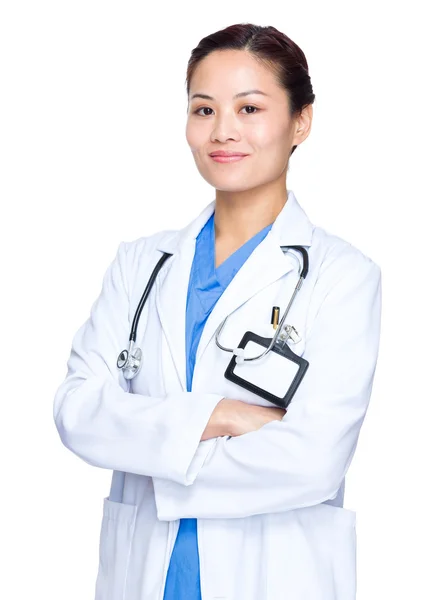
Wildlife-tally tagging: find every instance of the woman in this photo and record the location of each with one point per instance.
(217, 492)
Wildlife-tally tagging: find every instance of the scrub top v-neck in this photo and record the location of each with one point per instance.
(206, 284)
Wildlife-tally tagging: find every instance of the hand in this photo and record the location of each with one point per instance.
(249, 417)
(234, 417)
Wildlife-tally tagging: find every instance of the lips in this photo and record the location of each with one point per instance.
(224, 153)
(228, 158)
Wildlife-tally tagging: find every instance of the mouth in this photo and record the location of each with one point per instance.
(227, 158)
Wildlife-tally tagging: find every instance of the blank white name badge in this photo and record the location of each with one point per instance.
(274, 377)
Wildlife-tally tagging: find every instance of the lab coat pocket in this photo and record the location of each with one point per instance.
(115, 542)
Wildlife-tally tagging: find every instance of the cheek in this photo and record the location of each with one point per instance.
(195, 137)
(267, 134)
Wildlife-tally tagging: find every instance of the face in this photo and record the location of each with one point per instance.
(256, 124)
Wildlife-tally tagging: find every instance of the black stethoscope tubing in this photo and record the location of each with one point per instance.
(133, 334)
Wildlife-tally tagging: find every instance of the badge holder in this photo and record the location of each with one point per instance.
(253, 375)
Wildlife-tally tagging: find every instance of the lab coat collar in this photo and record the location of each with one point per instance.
(265, 265)
(291, 226)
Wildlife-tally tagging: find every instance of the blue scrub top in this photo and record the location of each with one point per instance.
(206, 284)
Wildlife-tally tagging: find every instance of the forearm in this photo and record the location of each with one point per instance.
(283, 466)
(113, 429)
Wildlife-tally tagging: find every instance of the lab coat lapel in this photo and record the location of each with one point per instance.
(172, 283)
(265, 265)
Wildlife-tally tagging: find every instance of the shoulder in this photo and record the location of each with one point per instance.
(342, 270)
(137, 258)
(145, 245)
(338, 255)
(143, 250)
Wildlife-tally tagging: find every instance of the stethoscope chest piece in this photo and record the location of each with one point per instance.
(130, 362)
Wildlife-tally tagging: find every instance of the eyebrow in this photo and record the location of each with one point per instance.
(240, 95)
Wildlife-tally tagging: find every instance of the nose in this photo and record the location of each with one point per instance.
(225, 129)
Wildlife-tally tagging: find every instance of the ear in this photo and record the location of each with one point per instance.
(303, 125)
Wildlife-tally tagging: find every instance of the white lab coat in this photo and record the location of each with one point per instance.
(269, 503)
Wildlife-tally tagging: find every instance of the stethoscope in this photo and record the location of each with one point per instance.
(130, 360)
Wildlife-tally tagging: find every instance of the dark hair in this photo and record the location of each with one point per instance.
(272, 48)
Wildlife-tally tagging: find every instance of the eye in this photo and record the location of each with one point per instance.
(196, 112)
(250, 106)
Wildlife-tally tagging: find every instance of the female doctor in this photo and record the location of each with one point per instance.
(218, 492)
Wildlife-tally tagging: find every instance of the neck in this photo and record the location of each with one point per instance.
(241, 215)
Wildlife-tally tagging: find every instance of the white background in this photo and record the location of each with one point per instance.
(93, 151)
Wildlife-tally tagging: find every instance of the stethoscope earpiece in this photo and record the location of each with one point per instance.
(239, 353)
